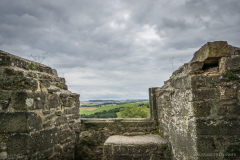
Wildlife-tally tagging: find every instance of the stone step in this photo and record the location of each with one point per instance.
(140, 147)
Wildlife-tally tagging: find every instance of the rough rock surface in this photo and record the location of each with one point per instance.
(38, 120)
(198, 107)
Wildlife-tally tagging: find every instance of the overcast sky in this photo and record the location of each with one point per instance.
(115, 49)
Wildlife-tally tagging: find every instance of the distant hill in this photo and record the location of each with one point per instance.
(92, 103)
(101, 100)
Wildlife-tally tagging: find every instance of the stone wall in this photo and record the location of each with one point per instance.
(197, 110)
(95, 132)
(39, 117)
(198, 107)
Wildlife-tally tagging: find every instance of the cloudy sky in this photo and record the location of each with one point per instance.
(115, 49)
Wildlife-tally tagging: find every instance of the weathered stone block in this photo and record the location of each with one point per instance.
(19, 101)
(43, 140)
(210, 52)
(13, 72)
(53, 100)
(65, 87)
(74, 110)
(60, 120)
(228, 107)
(130, 147)
(18, 82)
(75, 96)
(39, 101)
(67, 102)
(53, 89)
(182, 83)
(205, 94)
(195, 67)
(13, 122)
(19, 122)
(22, 100)
(203, 108)
(3, 155)
(218, 127)
(205, 146)
(66, 136)
(17, 144)
(68, 151)
(34, 122)
(45, 82)
(230, 64)
(199, 81)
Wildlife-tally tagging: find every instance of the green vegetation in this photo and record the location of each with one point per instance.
(105, 114)
(134, 112)
(33, 67)
(110, 111)
(27, 67)
(59, 85)
(173, 79)
(211, 83)
(236, 149)
(107, 108)
(230, 75)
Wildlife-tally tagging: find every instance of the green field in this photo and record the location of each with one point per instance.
(100, 109)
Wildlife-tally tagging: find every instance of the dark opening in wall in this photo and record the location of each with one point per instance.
(208, 66)
(211, 63)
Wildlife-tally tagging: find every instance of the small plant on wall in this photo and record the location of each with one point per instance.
(59, 85)
(27, 67)
(33, 67)
(230, 75)
(173, 79)
(211, 83)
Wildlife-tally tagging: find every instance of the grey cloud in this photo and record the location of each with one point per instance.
(179, 24)
(115, 49)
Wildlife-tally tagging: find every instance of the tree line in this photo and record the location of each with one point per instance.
(135, 111)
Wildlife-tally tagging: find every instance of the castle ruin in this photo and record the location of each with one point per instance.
(194, 115)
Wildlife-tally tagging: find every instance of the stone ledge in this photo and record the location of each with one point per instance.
(138, 139)
(8, 59)
(136, 147)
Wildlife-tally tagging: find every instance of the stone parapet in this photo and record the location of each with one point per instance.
(95, 131)
(39, 117)
(198, 107)
(7, 59)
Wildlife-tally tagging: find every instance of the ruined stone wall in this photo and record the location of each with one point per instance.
(94, 132)
(39, 117)
(198, 107)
